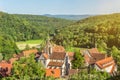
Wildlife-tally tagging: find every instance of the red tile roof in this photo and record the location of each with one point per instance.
(57, 48)
(58, 55)
(93, 50)
(12, 60)
(53, 72)
(45, 55)
(56, 64)
(71, 55)
(28, 52)
(105, 62)
(5, 68)
(94, 55)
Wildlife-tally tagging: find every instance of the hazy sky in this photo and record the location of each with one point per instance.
(60, 6)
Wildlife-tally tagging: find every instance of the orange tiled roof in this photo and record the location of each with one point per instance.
(12, 60)
(105, 62)
(5, 68)
(58, 55)
(71, 55)
(28, 52)
(53, 72)
(56, 64)
(93, 50)
(95, 57)
(57, 48)
(45, 55)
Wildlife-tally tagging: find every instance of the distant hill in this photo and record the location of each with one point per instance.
(69, 17)
(102, 30)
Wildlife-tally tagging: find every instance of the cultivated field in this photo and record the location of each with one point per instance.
(32, 43)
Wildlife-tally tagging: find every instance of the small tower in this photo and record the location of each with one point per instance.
(48, 47)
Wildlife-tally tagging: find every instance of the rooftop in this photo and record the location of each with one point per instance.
(58, 55)
(45, 55)
(5, 68)
(56, 64)
(105, 62)
(28, 52)
(57, 48)
(93, 50)
(53, 72)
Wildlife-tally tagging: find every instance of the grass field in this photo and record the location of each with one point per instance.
(32, 43)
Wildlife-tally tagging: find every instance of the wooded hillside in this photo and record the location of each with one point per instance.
(91, 32)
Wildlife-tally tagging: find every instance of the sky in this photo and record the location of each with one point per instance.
(74, 7)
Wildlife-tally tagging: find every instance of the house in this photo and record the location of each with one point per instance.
(5, 68)
(100, 61)
(55, 57)
(108, 65)
(26, 53)
(44, 59)
(92, 55)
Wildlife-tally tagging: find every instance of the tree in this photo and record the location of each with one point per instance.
(1, 56)
(27, 47)
(27, 69)
(94, 75)
(78, 60)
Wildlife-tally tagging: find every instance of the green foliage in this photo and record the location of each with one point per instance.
(78, 60)
(1, 56)
(7, 46)
(26, 27)
(27, 47)
(94, 75)
(116, 54)
(91, 31)
(27, 69)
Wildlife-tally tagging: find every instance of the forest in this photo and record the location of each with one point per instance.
(16, 27)
(101, 31)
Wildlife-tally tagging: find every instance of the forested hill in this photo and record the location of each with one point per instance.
(101, 31)
(24, 27)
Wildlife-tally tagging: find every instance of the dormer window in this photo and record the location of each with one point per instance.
(52, 72)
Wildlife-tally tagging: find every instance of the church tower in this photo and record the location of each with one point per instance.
(48, 47)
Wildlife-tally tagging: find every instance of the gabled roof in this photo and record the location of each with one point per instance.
(56, 73)
(95, 57)
(28, 52)
(58, 55)
(5, 68)
(105, 62)
(93, 50)
(57, 48)
(55, 64)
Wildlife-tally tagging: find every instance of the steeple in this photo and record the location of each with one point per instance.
(48, 47)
